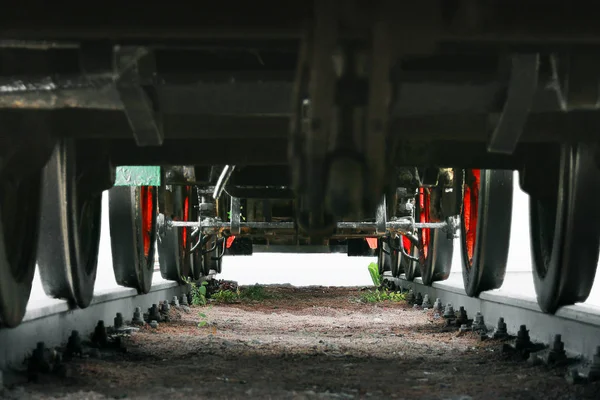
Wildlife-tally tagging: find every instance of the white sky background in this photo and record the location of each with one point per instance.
(338, 269)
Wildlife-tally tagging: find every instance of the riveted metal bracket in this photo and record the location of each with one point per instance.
(136, 69)
(235, 215)
(521, 90)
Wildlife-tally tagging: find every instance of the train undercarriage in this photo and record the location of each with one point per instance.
(387, 127)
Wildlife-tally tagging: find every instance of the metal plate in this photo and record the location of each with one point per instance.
(138, 176)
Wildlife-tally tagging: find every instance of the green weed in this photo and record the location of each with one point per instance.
(378, 296)
(255, 293)
(226, 296)
(374, 271)
(198, 292)
(203, 320)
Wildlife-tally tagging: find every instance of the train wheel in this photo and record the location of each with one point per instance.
(69, 228)
(485, 228)
(435, 249)
(211, 260)
(19, 220)
(396, 258)
(196, 265)
(384, 256)
(132, 214)
(173, 246)
(565, 234)
(411, 268)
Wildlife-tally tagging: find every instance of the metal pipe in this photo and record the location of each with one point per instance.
(222, 182)
(290, 225)
(76, 91)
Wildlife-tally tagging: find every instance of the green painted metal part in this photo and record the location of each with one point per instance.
(138, 176)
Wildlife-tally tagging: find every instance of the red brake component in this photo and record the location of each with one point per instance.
(229, 241)
(372, 242)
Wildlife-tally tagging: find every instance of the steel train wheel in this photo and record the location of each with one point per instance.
(384, 256)
(411, 270)
(210, 261)
(485, 228)
(435, 249)
(19, 220)
(69, 229)
(173, 246)
(565, 234)
(396, 258)
(132, 215)
(196, 257)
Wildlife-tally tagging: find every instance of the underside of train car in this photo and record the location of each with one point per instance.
(386, 127)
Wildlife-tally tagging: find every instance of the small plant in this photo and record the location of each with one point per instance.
(226, 296)
(378, 296)
(198, 292)
(255, 293)
(374, 271)
(203, 320)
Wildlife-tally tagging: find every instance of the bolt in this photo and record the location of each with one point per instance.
(501, 331)
(574, 377)
(437, 306)
(449, 312)
(100, 336)
(39, 361)
(154, 324)
(462, 316)
(137, 317)
(118, 321)
(557, 351)
(184, 300)
(596, 359)
(523, 341)
(594, 373)
(426, 303)
(479, 324)
(419, 299)
(153, 313)
(74, 344)
(175, 301)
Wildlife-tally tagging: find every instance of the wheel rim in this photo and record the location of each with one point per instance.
(12, 208)
(564, 232)
(407, 244)
(19, 217)
(132, 225)
(71, 217)
(425, 234)
(471, 213)
(88, 224)
(147, 210)
(186, 217)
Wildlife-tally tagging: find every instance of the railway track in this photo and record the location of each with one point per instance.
(52, 321)
(578, 325)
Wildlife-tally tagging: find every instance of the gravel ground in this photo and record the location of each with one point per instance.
(303, 343)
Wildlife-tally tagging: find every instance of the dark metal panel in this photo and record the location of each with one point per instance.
(205, 152)
(241, 98)
(301, 249)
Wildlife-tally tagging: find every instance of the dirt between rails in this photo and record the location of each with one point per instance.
(305, 343)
